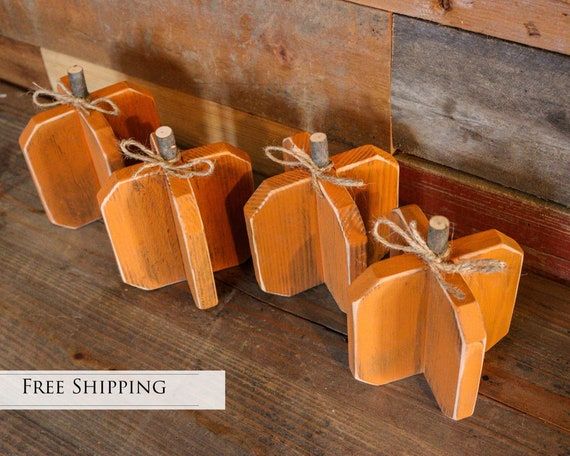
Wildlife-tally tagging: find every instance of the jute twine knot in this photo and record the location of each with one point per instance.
(175, 167)
(67, 98)
(303, 160)
(438, 264)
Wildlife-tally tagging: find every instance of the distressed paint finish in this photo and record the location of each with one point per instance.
(289, 229)
(70, 154)
(403, 322)
(294, 62)
(165, 229)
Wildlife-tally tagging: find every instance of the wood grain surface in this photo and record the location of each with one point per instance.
(141, 227)
(102, 143)
(283, 230)
(22, 63)
(58, 156)
(70, 156)
(192, 242)
(144, 228)
(497, 110)
(286, 233)
(289, 387)
(540, 23)
(495, 293)
(402, 322)
(288, 62)
(343, 241)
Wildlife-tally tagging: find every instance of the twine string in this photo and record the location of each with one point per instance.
(415, 244)
(303, 160)
(176, 167)
(67, 98)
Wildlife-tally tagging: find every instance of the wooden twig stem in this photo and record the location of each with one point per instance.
(438, 234)
(77, 82)
(319, 149)
(166, 143)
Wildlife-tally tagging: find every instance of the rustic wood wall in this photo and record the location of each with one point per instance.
(311, 64)
(492, 108)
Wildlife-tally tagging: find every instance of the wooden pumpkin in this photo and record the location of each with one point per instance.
(403, 322)
(166, 228)
(71, 150)
(305, 231)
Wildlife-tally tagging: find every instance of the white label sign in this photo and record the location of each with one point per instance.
(113, 390)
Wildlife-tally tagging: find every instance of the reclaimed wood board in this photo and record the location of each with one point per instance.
(540, 23)
(496, 116)
(497, 110)
(294, 62)
(21, 63)
(289, 387)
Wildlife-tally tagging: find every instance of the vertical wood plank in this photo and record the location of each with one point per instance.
(59, 161)
(282, 224)
(192, 242)
(221, 198)
(343, 241)
(103, 146)
(496, 293)
(386, 322)
(454, 347)
(380, 173)
(141, 228)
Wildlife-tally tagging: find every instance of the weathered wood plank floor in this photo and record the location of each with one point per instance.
(289, 390)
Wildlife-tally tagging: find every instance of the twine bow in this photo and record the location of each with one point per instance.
(438, 264)
(67, 98)
(175, 167)
(302, 160)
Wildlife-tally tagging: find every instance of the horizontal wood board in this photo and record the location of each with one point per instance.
(294, 62)
(494, 109)
(540, 23)
(21, 63)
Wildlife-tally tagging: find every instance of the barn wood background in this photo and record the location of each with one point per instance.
(249, 74)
